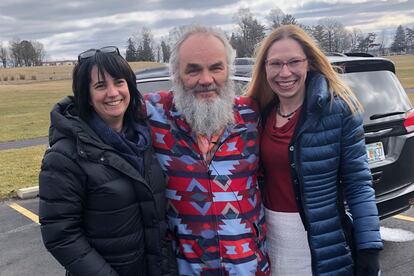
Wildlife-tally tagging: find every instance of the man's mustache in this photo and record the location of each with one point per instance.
(204, 88)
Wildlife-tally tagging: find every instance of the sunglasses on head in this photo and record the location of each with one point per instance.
(91, 52)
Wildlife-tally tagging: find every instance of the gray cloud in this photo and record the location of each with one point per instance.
(67, 28)
(350, 14)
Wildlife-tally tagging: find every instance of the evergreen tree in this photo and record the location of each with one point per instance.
(145, 50)
(409, 38)
(131, 51)
(318, 33)
(399, 44)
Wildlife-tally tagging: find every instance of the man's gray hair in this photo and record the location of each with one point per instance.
(199, 29)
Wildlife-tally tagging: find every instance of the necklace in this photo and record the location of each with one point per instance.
(287, 115)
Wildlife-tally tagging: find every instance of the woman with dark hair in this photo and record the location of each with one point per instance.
(313, 154)
(102, 206)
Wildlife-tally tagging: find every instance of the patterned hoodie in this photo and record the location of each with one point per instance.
(214, 208)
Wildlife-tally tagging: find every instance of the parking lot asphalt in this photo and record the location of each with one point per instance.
(22, 252)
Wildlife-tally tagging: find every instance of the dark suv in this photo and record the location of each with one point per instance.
(388, 122)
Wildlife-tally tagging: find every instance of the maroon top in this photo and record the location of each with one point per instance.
(279, 195)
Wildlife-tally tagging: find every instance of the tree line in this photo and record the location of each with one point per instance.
(22, 53)
(330, 34)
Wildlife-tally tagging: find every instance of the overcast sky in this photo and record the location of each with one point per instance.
(66, 28)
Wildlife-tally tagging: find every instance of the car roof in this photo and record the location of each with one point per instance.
(348, 64)
(163, 71)
(153, 72)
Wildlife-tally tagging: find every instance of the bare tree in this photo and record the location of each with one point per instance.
(39, 52)
(158, 55)
(289, 19)
(15, 52)
(175, 33)
(166, 51)
(366, 42)
(382, 42)
(356, 35)
(275, 17)
(335, 38)
(3, 55)
(250, 32)
(26, 53)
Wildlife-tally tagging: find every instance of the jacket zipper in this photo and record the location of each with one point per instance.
(299, 186)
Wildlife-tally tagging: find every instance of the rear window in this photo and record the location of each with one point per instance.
(379, 92)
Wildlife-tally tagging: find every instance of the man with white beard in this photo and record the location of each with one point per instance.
(207, 144)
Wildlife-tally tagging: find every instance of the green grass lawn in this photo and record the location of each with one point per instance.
(411, 96)
(24, 114)
(405, 69)
(19, 169)
(25, 108)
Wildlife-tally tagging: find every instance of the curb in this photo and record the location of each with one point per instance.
(26, 193)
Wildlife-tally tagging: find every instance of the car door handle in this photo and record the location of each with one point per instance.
(378, 133)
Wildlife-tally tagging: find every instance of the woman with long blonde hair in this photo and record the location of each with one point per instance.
(313, 157)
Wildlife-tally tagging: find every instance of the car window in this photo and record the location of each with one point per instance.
(244, 61)
(154, 86)
(379, 92)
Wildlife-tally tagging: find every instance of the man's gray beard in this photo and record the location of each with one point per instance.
(205, 116)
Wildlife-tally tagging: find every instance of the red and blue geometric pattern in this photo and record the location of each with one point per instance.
(214, 209)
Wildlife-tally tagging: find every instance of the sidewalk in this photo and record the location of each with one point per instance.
(24, 143)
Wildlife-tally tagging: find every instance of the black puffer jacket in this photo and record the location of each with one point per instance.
(98, 215)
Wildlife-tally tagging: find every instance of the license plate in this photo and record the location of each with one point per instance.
(375, 152)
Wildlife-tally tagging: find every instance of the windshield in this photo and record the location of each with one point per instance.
(379, 92)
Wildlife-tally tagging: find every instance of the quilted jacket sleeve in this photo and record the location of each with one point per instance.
(357, 182)
(62, 197)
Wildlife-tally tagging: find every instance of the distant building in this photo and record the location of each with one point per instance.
(58, 63)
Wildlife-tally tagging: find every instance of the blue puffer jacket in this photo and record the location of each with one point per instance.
(327, 155)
